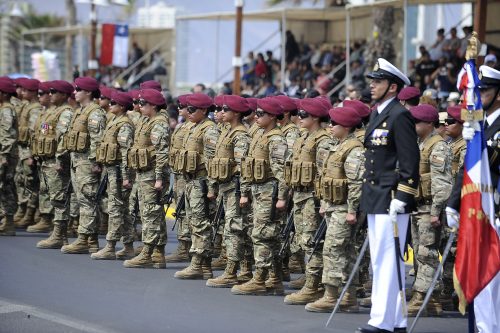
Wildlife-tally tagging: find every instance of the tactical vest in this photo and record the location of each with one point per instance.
(333, 183)
(256, 167)
(109, 150)
(253, 130)
(176, 145)
(45, 139)
(456, 147)
(109, 117)
(301, 171)
(424, 188)
(223, 166)
(24, 120)
(191, 156)
(360, 134)
(142, 155)
(285, 129)
(78, 137)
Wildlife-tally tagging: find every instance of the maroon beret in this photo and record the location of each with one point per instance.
(236, 103)
(252, 103)
(62, 86)
(286, 103)
(106, 92)
(18, 81)
(7, 86)
(455, 112)
(29, 84)
(44, 86)
(219, 100)
(122, 99)
(87, 83)
(326, 102)
(199, 100)
(181, 99)
(134, 93)
(361, 108)
(345, 116)
(270, 105)
(316, 107)
(151, 85)
(408, 93)
(152, 96)
(425, 112)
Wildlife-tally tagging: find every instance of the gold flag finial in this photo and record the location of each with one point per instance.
(473, 46)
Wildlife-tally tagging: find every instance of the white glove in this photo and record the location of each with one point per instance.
(452, 217)
(468, 131)
(396, 207)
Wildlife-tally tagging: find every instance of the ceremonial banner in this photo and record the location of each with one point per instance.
(114, 45)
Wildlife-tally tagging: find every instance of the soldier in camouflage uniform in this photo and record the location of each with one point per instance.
(112, 153)
(194, 161)
(8, 157)
(458, 148)
(82, 140)
(149, 157)
(181, 254)
(49, 146)
(308, 155)
(263, 169)
(225, 168)
(434, 189)
(27, 182)
(340, 190)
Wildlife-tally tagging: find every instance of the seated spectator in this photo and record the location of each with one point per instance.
(261, 70)
(436, 50)
(424, 69)
(249, 69)
(452, 44)
(444, 78)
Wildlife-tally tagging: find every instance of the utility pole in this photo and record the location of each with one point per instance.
(237, 62)
(93, 35)
(480, 11)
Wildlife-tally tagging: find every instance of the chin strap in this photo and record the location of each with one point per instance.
(487, 107)
(385, 93)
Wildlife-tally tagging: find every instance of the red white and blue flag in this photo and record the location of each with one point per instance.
(478, 248)
(114, 45)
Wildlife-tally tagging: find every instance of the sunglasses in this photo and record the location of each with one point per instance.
(333, 123)
(181, 106)
(52, 91)
(260, 113)
(77, 89)
(42, 93)
(135, 101)
(218, 108)
(226, 108)
(450, 121)
(302, 114)
(142, 102)
(112, 103)
(192, 109)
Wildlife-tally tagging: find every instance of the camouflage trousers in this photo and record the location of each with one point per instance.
(154, 229)
(364, 267)
(339, 254)
(307, 221)
(426, 240)
(57, 183)
(87, 183)
(133, 196)
(236, 224)
(74, 206)
(8, 199)
(265, 231)
(26, 179)
(183, 227)
(120, 222)
(450, 260)
(44, 203)
(199, 212)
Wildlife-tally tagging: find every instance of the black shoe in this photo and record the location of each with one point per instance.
(399, 329)
(372, 329)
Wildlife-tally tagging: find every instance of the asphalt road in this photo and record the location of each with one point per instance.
(47, 291)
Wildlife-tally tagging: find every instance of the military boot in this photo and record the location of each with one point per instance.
(57, 238)
(296, 263)
(106, 253)
(8, 227)
(309, 293)
(142, 260)
(93, 243)
(44, 225)
(274, 283)
(227, 279)
(79, 246)
(73, 226)
(37, 216)
(245, 270)
(29, 219)
(349, 302)
(298, 284)
(433, 307)
(181, 254)
(193, 271)
(158, 257)
(103, 226)
(126, 253)
(256, 286)
(219, 264)
(138, 250)
(366, 302)
(21, 211)
(325, 303)
(446, 298)
(206, 267)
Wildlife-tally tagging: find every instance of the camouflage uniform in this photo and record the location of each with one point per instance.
(434, 190)
(8, 162)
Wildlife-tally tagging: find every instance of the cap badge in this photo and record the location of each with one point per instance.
(376, 67)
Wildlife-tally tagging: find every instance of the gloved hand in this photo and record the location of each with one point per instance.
(468, 131)
(396, 207)
(452, 217)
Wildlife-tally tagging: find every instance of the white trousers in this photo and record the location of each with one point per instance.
(487, 307)
(386, 312)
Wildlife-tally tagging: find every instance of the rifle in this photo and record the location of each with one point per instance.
(100, 191)
(136, 210)
(237, 194)
(286, 235)
(181, 204)
(204, 190)
(318, 237)
(219, 216)
(67, 193)
(274, 200)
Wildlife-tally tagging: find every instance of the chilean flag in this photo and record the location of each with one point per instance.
(478, 248)
(114, 45)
